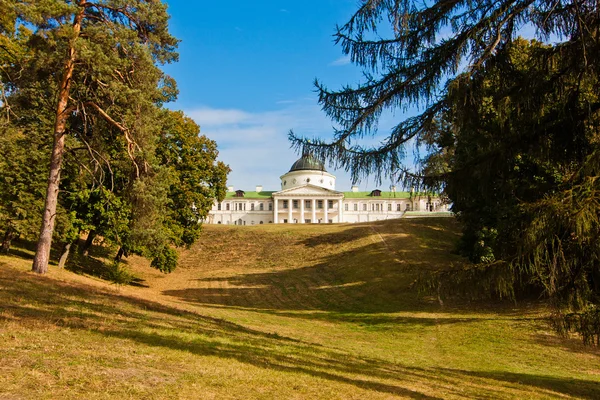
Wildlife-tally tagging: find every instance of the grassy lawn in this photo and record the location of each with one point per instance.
(281, 312)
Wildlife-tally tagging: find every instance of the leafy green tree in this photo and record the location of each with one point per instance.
(21, 184)
(157, 210)
(169, 203)
(198, 178)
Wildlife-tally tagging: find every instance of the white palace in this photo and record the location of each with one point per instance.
(308, 196)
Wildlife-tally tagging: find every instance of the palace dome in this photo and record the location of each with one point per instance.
(307, 162)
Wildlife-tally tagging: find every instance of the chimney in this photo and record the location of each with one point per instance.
(354, 188)
(230, 188)
(393, 187)
(259, 188)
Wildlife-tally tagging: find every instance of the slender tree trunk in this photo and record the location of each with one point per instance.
(119, 255)
(42, 253)
(88, 243)
(6, 241)
(65, 255)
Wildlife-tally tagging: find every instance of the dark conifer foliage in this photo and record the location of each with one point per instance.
(408, 51)
(511, 128)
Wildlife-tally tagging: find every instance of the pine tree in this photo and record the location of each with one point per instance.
(98, 60)
(409, 50)
(511, 132)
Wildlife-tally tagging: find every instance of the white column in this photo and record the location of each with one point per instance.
(340, 215)
(290, 205)
(314, 211)
(325, 207)
(276, 219)
(301, 211)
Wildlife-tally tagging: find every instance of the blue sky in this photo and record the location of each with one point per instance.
(246, 74)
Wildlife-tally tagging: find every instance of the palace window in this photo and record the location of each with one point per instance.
(329, 204)
(252, 207)
(319, 204)
(261, 206)
(308, 204)
(346, 207)
(364, 206)
(295, 203)
(219, 206)
(285, 203)
(355, 206)
(389, 207)
(270, 206)
(227, 206)
(398, 207)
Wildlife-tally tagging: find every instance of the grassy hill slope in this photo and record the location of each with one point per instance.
(276, 312)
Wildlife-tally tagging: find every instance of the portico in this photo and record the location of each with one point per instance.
(308, 204)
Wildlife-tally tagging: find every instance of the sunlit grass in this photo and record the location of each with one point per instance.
(281, 312)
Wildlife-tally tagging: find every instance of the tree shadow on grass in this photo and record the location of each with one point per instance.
(580, 388)
(366, 279)
(570, 344)
(42, 301)
(89, 309)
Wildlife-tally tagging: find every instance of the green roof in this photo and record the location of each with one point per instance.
(251, 195)
(384, 195)
(347, 195)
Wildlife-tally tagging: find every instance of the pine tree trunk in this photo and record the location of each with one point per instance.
(42, 253)
(119, 255)
(88, 242)
(6, 241)
(64, 256)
